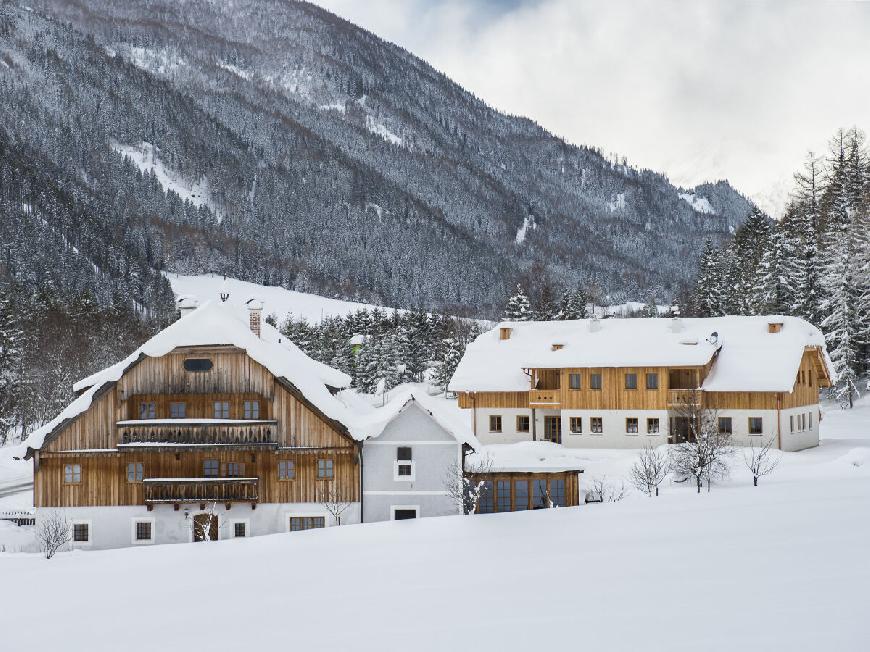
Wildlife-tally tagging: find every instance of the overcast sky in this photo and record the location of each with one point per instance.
(699, 90)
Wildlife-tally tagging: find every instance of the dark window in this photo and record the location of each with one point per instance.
(239, 530)
(521, 495)
(197, 364)
(595, 425)
(557, 492)
(522, 423)
(495, 423)
(404, 514)
(404, 454)
(80, 532)
(286, 470)
(143, 531)
(755, 425)
(725, 427)
(299, 523)
(652, 426)
(134, 472)
(631, 425)
(630, 381)
(252, 409)
(574, 381)
(503, 495)
(486, 505)
(72, 473)
(210, 468)
(177, 410)
(325, 469)
(652, 381)
(147, 410)
(235, 470)
(594, 381)
(576, 425)
(539, 494)
(404, 463)
(221, 409)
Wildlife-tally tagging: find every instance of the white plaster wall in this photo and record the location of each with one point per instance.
(800, 439)
(112, 527)
(509, 434)
(614, 434)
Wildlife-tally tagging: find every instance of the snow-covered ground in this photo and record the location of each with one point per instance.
(276, 300)
(783, 566)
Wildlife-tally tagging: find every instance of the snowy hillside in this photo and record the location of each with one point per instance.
(276, 300)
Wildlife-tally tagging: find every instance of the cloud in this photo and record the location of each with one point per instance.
(697, 89)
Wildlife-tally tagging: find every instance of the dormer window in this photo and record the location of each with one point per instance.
(198, 365)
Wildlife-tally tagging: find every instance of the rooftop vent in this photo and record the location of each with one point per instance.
(774, 326)
(255, 314)
(714, 338)
(691, 341)
(504, 333)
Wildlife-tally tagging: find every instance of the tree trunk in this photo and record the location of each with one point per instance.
(657, 491)
(755, 481)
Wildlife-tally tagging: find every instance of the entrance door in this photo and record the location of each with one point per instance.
(205, 527)
(680, 430)
(553, 429)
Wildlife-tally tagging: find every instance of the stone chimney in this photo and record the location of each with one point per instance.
(186, 305)
(255, 315)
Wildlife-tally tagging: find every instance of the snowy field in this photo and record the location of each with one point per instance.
(784, 566)
(276, 300)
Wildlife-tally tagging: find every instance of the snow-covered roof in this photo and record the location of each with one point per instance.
(213, 324)
(749, 357)
(444, 412)
(525, 457)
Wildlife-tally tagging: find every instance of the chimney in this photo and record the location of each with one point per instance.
(504, 333)
(186, 305)
(255, 315)
(774, 326)
(556, 347)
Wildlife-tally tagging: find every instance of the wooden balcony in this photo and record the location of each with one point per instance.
(196, 432)
(545, 398)
(685, 398)
(200, 490)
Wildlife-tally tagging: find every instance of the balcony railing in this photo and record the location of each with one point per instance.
(197, 432)
(545, 398)
(684, 398)
(200, 490)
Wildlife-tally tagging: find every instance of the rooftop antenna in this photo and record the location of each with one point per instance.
(225, 294)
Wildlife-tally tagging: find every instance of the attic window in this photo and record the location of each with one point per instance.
(198, 365)
(556, 347)
(774, 327)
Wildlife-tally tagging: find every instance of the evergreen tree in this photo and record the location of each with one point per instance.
(518, 307)
(710, 293)
(454, 351)
(773, 293)
(572, 305)
(11, 342)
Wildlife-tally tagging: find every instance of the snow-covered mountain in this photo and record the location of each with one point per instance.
(314, 155)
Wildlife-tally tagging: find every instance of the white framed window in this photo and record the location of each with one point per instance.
(652, 426)
(252, 409)
(82, 531)
(299, 521)
(631, 426)
(596, 425)
(403, 469)
(141, 531)
(575, 425)
(240, 528)
(404, 512)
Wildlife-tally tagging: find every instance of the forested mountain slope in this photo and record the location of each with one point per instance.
(314, 155)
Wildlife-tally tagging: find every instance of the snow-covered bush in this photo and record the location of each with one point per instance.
(53, 532)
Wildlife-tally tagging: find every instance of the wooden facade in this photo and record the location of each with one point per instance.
(511, 491)
(101, 458)
(554, 389)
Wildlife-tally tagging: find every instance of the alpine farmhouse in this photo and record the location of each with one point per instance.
(628, 383)
(219, 427)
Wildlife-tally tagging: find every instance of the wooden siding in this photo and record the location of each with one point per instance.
(234, 378)
(613, 395)
(494, 399)
(104, 475)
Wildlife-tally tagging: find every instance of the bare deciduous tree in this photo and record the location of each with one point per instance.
(705, 453)
(650, 470)
(53, 532)
(761, 461)
(335, 505)
(462, 490)
(603, 491)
